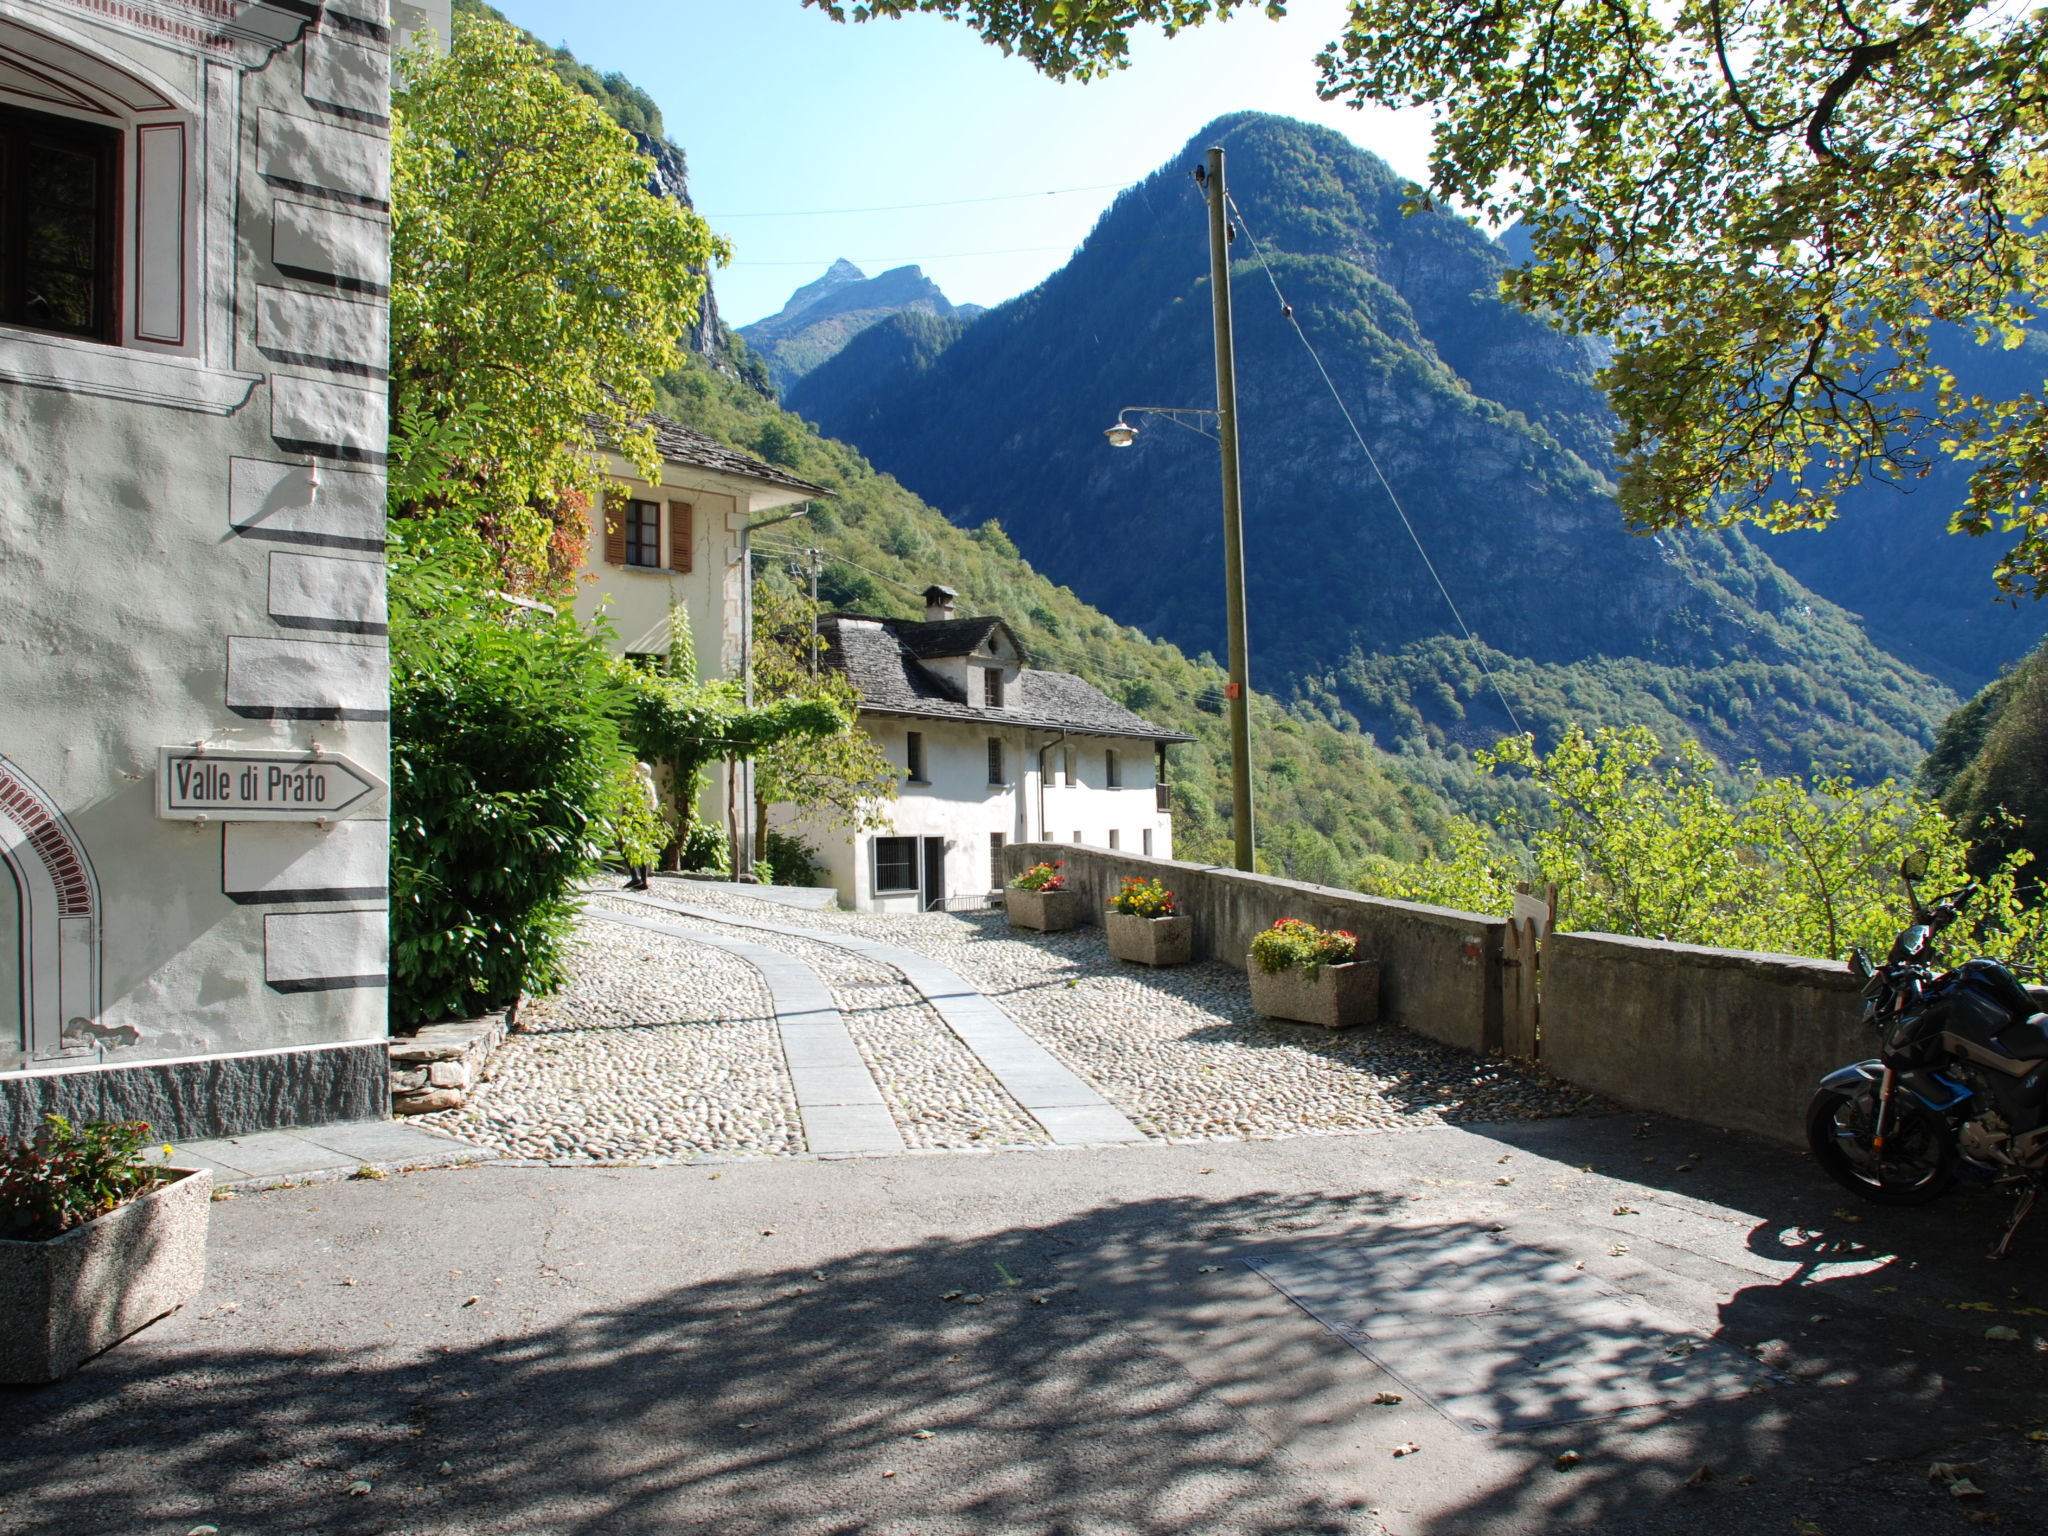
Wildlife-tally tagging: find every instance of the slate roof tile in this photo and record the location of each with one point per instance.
(882, 658)
(686, 445)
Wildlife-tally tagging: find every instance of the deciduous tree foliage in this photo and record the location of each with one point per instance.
(536, 283)
(1785, 213)
(1642, 841)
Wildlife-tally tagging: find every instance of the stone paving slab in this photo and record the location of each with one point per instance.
(1027, 1071)
(836, 1096)
(318, 1152)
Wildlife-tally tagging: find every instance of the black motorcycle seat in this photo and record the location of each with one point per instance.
(2028, 1039)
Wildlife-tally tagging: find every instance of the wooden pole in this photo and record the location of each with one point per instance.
(1238, 694)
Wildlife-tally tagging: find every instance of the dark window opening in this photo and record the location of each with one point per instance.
(992, 687)
(58, 181)
(913, 757)
(995, 860)
(1112, 770)
(895, 865)
(643, 533)
(995, 761)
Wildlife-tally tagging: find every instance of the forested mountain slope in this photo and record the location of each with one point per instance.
(1485, 422)
(1924, 593)
(1327, 798)
(1989, 767)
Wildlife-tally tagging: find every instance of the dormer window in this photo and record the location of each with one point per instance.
(992, 687)
(57, 224)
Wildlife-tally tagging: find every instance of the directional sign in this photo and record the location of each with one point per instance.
(230, 785)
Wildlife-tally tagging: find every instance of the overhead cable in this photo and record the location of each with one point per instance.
(1287, 312)
(957, 202)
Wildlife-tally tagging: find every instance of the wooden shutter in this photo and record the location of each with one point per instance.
(680, 536)
(615, 530)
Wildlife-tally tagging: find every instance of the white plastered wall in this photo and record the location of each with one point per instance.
(959, 805)
(149, 487)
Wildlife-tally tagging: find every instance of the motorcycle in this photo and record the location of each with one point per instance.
(1960, 1089)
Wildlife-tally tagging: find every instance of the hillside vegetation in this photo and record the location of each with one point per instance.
(1990, 766)
(1327, 798)
(1487, 423)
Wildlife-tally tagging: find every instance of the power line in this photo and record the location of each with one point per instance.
(958, 202)
(1020, 250)
(1287, 310)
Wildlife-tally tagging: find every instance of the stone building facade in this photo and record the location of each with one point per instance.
(193, 678)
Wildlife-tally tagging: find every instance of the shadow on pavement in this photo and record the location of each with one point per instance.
(876, 1394)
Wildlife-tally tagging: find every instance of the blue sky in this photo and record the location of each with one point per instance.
(784, 112)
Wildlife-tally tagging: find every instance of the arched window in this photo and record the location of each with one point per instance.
(97, 198)
(55, 936)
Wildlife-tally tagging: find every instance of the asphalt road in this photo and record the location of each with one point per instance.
(767, 1348)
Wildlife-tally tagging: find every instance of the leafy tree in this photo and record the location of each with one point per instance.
(1779, 211)
(686, 723)
(537, 284)
(841, 780)
(1642, 841)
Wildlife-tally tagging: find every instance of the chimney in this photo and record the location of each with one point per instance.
(938, 603)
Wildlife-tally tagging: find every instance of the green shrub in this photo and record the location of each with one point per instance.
(67, 1177)
(701, 849)
(505, 763)
(791, 861)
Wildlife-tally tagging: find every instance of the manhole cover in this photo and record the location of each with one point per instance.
(1499, 1335)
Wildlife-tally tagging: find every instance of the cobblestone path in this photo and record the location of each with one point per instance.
(664, 1048)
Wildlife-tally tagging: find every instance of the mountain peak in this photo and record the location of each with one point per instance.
(825, 314)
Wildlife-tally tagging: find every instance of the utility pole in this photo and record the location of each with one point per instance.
(1238, 694)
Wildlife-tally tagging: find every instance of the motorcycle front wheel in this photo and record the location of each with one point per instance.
(1918, 1163)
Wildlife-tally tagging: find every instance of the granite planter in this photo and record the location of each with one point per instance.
(1150, 940)
(1335, 996)
(67, 1298)
(1047, 911)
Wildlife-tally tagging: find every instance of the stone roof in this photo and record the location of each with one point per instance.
(679, 444)
(882, 659)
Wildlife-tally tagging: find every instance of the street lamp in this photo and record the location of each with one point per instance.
(1123, 434)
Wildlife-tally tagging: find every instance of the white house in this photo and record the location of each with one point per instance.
(193, 684)
(678, 546)
(991, 751)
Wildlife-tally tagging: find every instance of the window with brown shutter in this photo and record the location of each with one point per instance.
(615, 529)
(680, 531)
(643, 534)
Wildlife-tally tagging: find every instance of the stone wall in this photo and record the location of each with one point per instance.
(1716, 1035)
(1720, 1036)
(436, 1068)
(1439, 969)
(204, 1097)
